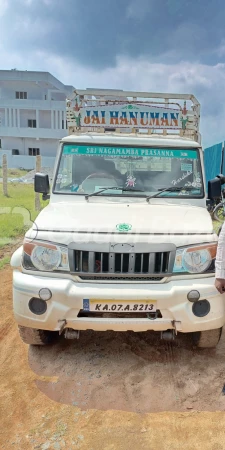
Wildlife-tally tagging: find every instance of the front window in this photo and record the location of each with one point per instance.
(136, 171)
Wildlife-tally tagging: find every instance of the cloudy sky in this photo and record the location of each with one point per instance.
(163, 45)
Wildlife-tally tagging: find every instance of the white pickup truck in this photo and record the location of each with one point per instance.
(126, 242)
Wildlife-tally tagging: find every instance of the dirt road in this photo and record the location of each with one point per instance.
(108, 391)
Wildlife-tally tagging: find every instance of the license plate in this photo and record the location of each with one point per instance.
(119, 306)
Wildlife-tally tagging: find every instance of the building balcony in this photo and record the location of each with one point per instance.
(33, 104)
(36, 133)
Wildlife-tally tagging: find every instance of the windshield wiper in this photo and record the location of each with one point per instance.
(170, 189)
(114, 188)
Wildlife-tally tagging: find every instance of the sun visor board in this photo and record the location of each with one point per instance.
(160, 165)
(186, 167)
(124, 152)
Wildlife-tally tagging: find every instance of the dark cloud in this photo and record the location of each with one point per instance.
(158, 45)
(95, 32)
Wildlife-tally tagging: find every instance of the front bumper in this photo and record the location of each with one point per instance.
(67, 301)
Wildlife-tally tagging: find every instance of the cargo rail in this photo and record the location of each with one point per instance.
(108, 110)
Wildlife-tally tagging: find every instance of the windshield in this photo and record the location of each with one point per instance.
(85, 169)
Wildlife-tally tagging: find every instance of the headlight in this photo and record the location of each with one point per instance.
(195, 259)
(38, 255)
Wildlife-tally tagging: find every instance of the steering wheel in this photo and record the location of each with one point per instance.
(102, 178)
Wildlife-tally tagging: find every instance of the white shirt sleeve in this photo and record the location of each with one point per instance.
(220, 256)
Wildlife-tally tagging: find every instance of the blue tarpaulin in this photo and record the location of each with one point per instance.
(212, 161)
(223, 165)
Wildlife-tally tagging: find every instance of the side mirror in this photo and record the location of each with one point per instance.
(41, 185)
(214, 189)
(222, 178)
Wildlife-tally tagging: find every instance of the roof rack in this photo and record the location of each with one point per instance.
(103, 110)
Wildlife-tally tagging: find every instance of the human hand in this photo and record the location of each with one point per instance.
(220, 285)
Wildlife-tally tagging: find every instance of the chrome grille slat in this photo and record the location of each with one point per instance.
(167, 260)
(131, 262)
(91, 262)
(170, 261)
(81, 261)
(111, 262)
(76, 261)
(121, 265)
(161, 261)
(101, 266)
(142, 260)
(151, 265)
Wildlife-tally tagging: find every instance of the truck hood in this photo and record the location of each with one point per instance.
(138, 218)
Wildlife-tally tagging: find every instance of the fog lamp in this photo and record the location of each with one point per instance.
(193, 296)
(45, 294)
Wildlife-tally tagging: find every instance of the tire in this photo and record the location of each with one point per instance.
(219, 230)
(207, 339)
(33, 336)
(219, 214)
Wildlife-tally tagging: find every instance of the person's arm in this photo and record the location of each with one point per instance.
(220, 262)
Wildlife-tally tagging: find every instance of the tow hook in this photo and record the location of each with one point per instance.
(168, 335)
(71, 334)
(152, 316)
(62, 324)
(176, 325)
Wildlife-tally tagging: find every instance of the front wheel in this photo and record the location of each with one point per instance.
(219, 212)
(207, 339)
(33, 336)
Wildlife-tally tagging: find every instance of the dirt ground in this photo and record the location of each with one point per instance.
(108, 391)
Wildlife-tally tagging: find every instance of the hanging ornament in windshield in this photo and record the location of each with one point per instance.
(131, 181)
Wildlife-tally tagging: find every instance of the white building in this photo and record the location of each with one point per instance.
(32, 112)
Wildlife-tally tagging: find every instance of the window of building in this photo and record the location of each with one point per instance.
(63, 124)
(33, 151)
(21, 95)
(32, 123)
(0, 143)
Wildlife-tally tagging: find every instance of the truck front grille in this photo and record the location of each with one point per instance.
(118, 265)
